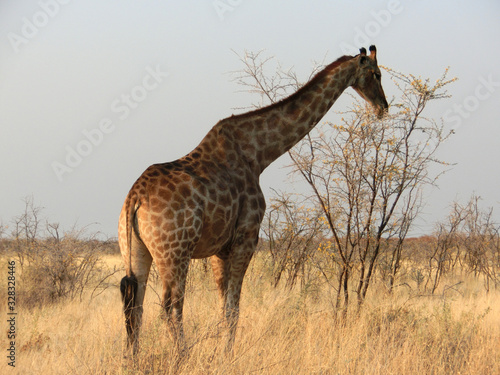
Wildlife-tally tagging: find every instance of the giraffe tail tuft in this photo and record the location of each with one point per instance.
(128, 289)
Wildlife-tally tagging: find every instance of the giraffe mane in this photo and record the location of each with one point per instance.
(319, 76)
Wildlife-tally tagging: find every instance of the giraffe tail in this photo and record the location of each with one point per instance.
(129, 284)
(128, 289)
(131, 227)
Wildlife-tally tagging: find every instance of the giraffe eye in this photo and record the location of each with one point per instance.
(377, 76)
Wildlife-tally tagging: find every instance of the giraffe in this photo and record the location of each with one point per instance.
(209, 202)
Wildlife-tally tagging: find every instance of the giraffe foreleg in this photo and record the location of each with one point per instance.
(232, 311)
(229, 272)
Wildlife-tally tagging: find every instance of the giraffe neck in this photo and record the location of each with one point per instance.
(264, 135)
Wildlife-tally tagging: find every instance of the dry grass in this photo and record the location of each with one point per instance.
(280, 332)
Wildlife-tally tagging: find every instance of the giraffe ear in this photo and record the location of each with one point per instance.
(362, 56)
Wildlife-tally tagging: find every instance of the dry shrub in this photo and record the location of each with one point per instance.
(57, 269)
(51, 265)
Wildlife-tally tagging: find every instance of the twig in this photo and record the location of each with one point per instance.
(101, 282)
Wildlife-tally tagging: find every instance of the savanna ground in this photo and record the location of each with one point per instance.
(281, 331)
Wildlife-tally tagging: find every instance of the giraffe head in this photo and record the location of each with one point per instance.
(367, 81)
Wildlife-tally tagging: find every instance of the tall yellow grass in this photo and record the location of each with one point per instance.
(280, 332)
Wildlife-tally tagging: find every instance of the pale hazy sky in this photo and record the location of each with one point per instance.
(92, 92)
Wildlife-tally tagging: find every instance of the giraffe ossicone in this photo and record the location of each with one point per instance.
(209, 202)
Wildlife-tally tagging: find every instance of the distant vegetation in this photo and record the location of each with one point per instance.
(466, 243)
(295, 252)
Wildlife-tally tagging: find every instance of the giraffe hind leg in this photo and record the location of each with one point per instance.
(174, 283)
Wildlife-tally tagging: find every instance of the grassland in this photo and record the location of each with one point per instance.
(281, 331)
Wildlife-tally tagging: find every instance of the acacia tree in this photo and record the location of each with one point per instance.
(365, 175)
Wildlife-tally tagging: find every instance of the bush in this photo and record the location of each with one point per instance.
(58, 269)
(51, 266)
